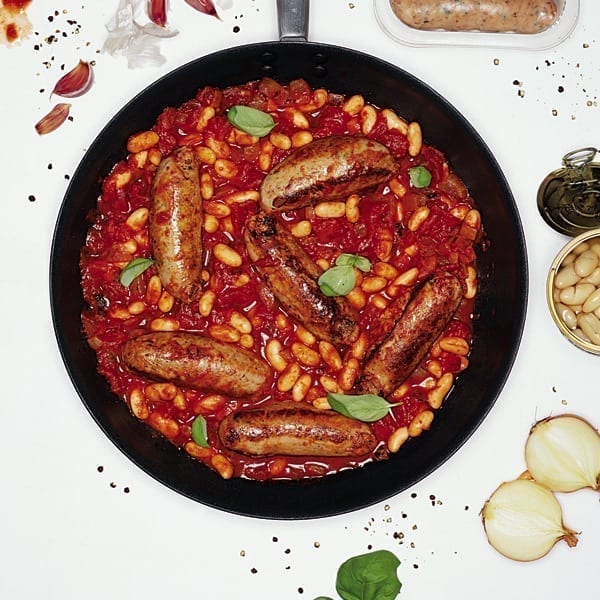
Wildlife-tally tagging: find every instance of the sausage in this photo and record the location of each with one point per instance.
(390, 363)
(295, 429)
(327, 169)
(520, 16)
(292, 276)
(199, 362)
(176, 218)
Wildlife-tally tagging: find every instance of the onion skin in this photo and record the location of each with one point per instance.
(523, 520)
(563, 453)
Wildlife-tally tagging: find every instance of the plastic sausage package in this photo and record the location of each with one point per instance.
(423, 33)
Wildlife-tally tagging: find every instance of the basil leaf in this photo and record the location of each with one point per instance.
(371, 576)
(354, 260)
(134, 269)
(365, 407)
(337, 281)
(420, 177)
(251, 120)
(199, 433)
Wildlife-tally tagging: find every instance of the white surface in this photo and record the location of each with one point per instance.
(65, 533)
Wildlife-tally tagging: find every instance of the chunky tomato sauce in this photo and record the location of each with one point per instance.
(408, 233)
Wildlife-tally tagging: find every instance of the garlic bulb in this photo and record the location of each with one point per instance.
(523, 520)
(563, 453)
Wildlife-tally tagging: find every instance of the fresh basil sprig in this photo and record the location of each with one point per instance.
(339, 280)
(371, 576)
(420, 177)
(364, 407)
(199, 432)
(134, 269)
(251, 120)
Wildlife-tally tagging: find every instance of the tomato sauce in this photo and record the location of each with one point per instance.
(386, 232)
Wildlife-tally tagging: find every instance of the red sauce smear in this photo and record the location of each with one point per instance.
(445, 241)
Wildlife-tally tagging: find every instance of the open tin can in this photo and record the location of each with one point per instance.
(569, 201)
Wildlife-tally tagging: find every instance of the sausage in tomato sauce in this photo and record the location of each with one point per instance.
(427, 314)
(292, 276)
(176, 217)
(295, 429)
(328, 168)
(199, 362)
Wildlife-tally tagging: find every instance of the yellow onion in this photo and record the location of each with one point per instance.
(563, 453)
(523, 520)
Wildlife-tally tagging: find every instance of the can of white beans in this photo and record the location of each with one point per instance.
(573, 291)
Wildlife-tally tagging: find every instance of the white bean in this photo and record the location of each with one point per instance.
(579, 333)
(596, 248)
(590, 325)
(580, 248)
(567, 315)
(576, 294)
(586, 263)
(593, 277)
(592, 302)
(566, 277)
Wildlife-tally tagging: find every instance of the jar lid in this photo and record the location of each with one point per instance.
(569, 198)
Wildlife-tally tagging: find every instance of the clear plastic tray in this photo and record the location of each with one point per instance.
(568, 15)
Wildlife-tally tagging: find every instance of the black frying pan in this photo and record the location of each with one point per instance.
(500, 310)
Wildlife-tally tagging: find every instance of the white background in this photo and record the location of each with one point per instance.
(68, 531)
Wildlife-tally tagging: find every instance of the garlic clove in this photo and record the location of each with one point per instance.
(53, 120)
(523, 520)
(157, 12)
(563, 453)
(76, 82)
(204, 6)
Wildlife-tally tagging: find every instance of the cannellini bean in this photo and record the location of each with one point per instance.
(593, 277)
(592, 302)
(415, 138)
(305, 355)
(224, 333)
(566, 277)
(227, 255)
(580, 248)
(301, 387)
(595, 247)
(196, 451)
(222, 465)
(576, 294)
(206, 303)
(330, 354)
(590, 325)
(397, 438)
(288, 377)
(567, 315)
(330, 209)
(273, 352)
(436, 396)
(138, 405)
(422, 422)
(585, 263)
(142, 141)
(581, 335)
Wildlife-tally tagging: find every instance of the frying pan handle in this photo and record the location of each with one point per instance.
(293, 20)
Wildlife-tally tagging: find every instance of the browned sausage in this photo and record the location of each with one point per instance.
(194, 361)
(292, 277)
(326, 169)
(520, 16)
(295, 429)
(176, 218)
(425, 317)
